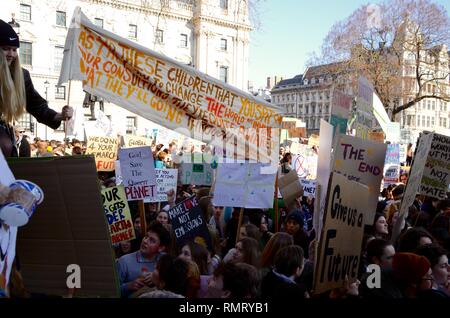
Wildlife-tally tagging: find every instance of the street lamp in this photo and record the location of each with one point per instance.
(46, 85)
(14, 24)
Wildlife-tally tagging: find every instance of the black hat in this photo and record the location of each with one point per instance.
(8, 36)
(297, 216)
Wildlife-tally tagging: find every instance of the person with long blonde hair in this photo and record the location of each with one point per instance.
(17, 93)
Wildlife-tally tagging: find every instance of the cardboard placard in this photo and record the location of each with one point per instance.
(105, 151)
(138, 173)
(436, 173)
(8, 235)
(323, 172)
(118, 214)
(69, 227)
(361, 161)
(340, 246)
(377, 136)
(188, 223)
(415, 176)
(290, 187)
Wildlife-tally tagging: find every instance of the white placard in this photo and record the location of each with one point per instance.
(138, 173)
(166, 179)
(244, 185)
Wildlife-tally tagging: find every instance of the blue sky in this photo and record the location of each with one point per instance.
(290, 30)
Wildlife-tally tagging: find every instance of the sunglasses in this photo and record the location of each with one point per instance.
(22, 131)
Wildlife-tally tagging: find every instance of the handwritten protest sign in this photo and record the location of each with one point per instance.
(118, 214)
(309, 188)
(247, 185)
(393, 133)
(323, 172)
(340, 246)
(361, 161)
(403, 151)
(101, 126)
(340, 110)
(377, 136)
(136, 141)
(305, 163)
(416, 172)
(188, 223)
(166, 180)
(290, 187)
(105, 151)
(391, 174)
(165, 91)
(436, 174)
(392, 154)
(415, 176)
(138, 173)
(392, 164)
(196, 174)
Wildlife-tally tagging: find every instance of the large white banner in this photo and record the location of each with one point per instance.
(167, 92)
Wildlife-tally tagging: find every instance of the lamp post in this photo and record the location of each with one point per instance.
(15, 25)
(46, 85)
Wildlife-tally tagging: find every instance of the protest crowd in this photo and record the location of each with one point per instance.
(365, 232)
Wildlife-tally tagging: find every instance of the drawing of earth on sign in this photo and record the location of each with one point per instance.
(300, 164)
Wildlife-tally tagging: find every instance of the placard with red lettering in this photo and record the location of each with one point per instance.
(105, 151)
(118, 214)
(138, 173)
(188, 223)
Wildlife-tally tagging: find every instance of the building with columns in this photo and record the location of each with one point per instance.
(210, 35)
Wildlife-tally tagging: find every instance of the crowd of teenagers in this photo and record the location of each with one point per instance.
(257, 260)
(252, 254)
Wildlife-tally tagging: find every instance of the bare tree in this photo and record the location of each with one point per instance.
(399, 45)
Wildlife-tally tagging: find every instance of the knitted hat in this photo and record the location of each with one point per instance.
(397, 192)
(409, 267)
(297, 216)
(8, 37)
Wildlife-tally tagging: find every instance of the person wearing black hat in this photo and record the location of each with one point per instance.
(17, 93)
(294, 225)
